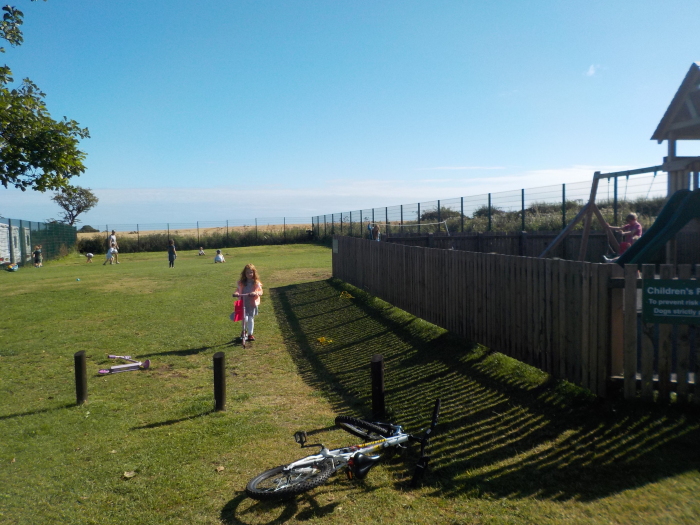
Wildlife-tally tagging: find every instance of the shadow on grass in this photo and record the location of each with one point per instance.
(171, 421)
(506, 430)
(38, 411)
(191, 351)
(302, 508)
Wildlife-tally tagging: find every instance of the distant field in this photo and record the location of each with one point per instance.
(192, 232)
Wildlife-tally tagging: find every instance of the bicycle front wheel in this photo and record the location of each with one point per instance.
(278, 483)
(363, 429)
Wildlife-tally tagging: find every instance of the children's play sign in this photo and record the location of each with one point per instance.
(671, 301)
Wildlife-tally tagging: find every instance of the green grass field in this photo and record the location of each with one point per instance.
(512, 446)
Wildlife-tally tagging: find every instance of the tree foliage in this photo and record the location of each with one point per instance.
(36, 151)
(74, 200)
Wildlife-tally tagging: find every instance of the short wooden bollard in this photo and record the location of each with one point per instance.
(220, 381)
(378, 408)
(81, 393)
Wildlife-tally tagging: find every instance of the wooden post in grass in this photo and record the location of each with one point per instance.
(220, 381)
(80, 377)
(378, 386)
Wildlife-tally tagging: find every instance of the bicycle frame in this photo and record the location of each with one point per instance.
(341, 457)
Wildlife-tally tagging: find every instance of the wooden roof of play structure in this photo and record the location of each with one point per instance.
(682, 118)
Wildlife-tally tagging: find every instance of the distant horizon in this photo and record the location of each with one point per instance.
(640, 185)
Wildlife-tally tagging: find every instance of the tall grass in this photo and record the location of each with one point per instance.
(153, 242)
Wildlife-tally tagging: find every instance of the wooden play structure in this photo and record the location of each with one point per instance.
(680, 122)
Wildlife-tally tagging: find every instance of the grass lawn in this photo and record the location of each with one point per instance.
(512, 446)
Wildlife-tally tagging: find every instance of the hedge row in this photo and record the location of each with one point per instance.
(155, 242)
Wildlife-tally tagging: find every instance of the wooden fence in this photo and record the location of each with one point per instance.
(524, 244)
(563, 317)
(527, 244)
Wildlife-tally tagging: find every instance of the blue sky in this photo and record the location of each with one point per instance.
(218, 110)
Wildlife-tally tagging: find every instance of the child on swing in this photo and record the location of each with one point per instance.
(249, 283)
(630, 232)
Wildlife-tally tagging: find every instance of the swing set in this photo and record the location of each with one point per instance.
(591, 208)
(680, 122)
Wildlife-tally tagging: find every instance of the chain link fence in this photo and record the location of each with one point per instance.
(145, 237)
(19, 239)
(547, 208)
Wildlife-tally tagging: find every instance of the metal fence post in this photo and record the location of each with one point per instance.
(489, 213)
(563, 206)
(522, 197)
(386, 217)
(615, 202)
(461, 211)
(138, 238)
(418, 217)
(12, 249)
(439, 214)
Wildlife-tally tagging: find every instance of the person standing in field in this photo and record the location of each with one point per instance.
(112, 242)
(172, 253)
(250, 287)
(38, 259)
(375, 233)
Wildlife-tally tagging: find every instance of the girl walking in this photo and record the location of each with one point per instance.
(172, 254)
(250, 284)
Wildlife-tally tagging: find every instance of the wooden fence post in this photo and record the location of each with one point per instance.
(630, 332)
(220, 381)
(80, 377)
(377, 367)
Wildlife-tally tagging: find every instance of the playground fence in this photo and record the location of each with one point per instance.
(569, 319)
(547, 208)
(18, 239)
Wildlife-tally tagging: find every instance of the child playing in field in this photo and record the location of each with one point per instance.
(38, 259)
(249, 284)
(201, 251)
(109, 257)
(219, 258)
(172, 253)
(89, 257)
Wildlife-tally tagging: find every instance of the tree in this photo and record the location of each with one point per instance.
(36, 151)
(74, 200)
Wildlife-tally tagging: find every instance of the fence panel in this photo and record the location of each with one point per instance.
(552, 314)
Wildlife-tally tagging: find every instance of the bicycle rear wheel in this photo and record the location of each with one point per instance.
(363, 429)
(278, 483)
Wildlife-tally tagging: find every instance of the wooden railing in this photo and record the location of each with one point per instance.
(566, 318)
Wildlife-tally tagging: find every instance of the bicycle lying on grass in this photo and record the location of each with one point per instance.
(310, 472)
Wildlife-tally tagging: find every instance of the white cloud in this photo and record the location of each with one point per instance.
(592, 70)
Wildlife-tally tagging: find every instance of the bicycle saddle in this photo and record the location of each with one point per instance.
(361, 464)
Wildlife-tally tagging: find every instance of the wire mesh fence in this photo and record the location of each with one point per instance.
(542, 209)
(142, 237)
(20, 239)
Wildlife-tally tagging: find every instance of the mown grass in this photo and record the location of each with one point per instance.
(512, 446)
